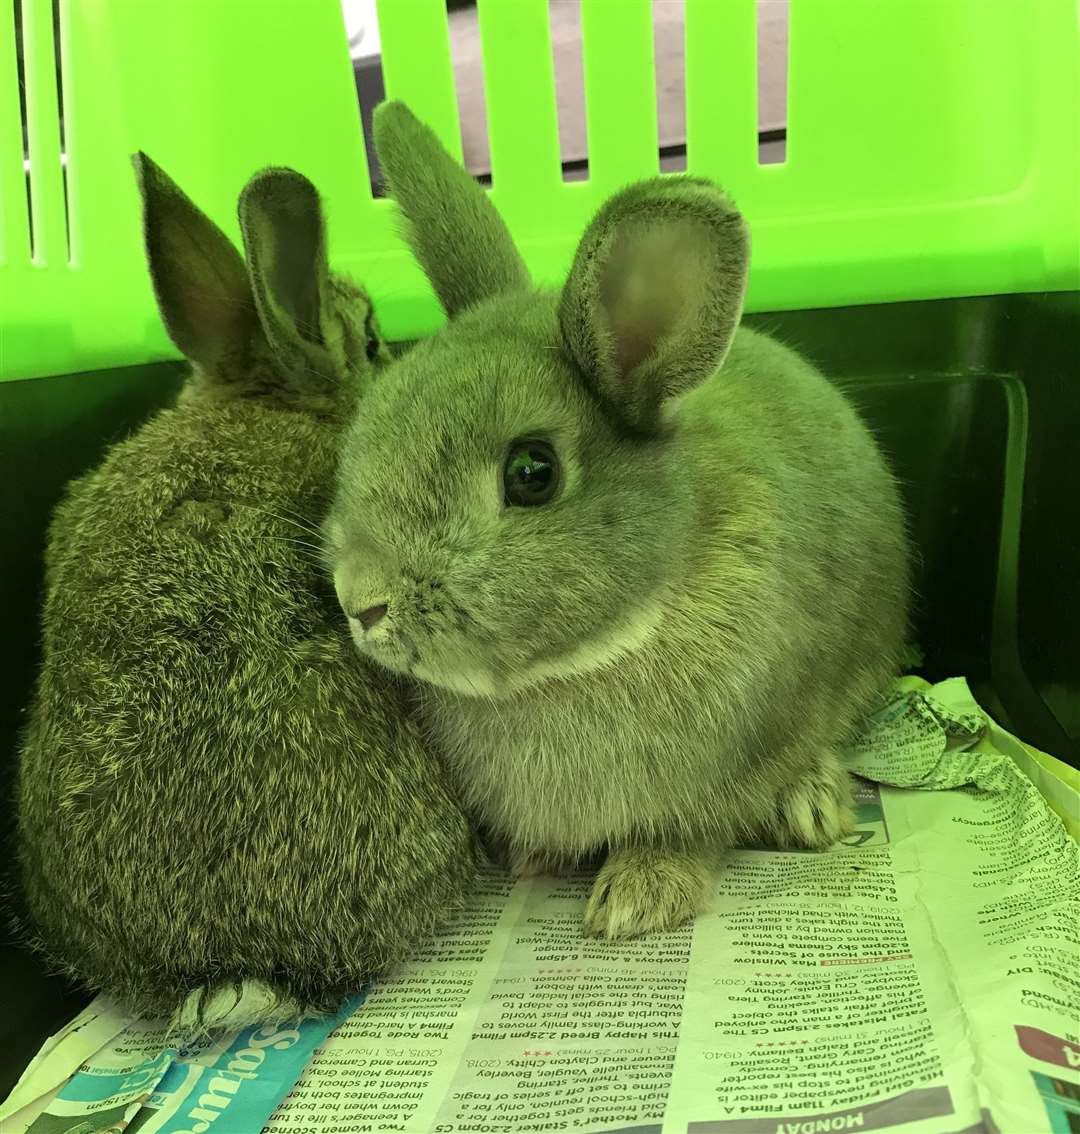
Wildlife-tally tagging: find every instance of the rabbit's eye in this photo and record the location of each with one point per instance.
(531, 474)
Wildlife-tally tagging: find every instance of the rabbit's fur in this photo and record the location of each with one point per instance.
(660, 661)
(215, 793)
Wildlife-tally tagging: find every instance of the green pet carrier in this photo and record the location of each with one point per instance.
(920, 242)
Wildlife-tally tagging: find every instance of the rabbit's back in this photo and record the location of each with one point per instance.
(810, 476)
(816, 520)
(212, 783)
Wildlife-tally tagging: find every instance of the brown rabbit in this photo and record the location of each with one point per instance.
(224, 814)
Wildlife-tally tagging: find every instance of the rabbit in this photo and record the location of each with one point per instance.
(225, 815)
(645, 567)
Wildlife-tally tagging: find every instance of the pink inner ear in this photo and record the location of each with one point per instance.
(210, 286)
(651, 284)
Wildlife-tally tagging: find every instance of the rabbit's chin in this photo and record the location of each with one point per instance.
(398, 653)
(463, 681)
(471, 676)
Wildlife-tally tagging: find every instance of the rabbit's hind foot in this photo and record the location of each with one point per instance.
(231, 1005)
(538, 863)
(524, 862)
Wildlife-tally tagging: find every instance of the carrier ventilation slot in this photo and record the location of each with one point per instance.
(669, 50)
(564, 17)
(41, 97)
(21, 70)
(772, 80)
(365, 53)
(467, 61)
(59, 62)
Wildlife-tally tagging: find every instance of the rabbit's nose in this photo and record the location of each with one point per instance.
(373, 614)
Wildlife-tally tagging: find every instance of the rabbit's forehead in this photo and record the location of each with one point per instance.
(473, 403)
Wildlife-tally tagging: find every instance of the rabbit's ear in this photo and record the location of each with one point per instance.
(199, 278)
(285, 242)
(454, 230)
(655, 294)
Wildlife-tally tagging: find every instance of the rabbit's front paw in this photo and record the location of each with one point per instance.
(816, 811)
(641, 890)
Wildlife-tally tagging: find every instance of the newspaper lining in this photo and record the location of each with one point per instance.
(923, 974)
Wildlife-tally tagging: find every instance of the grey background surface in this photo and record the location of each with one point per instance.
(668, 29)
